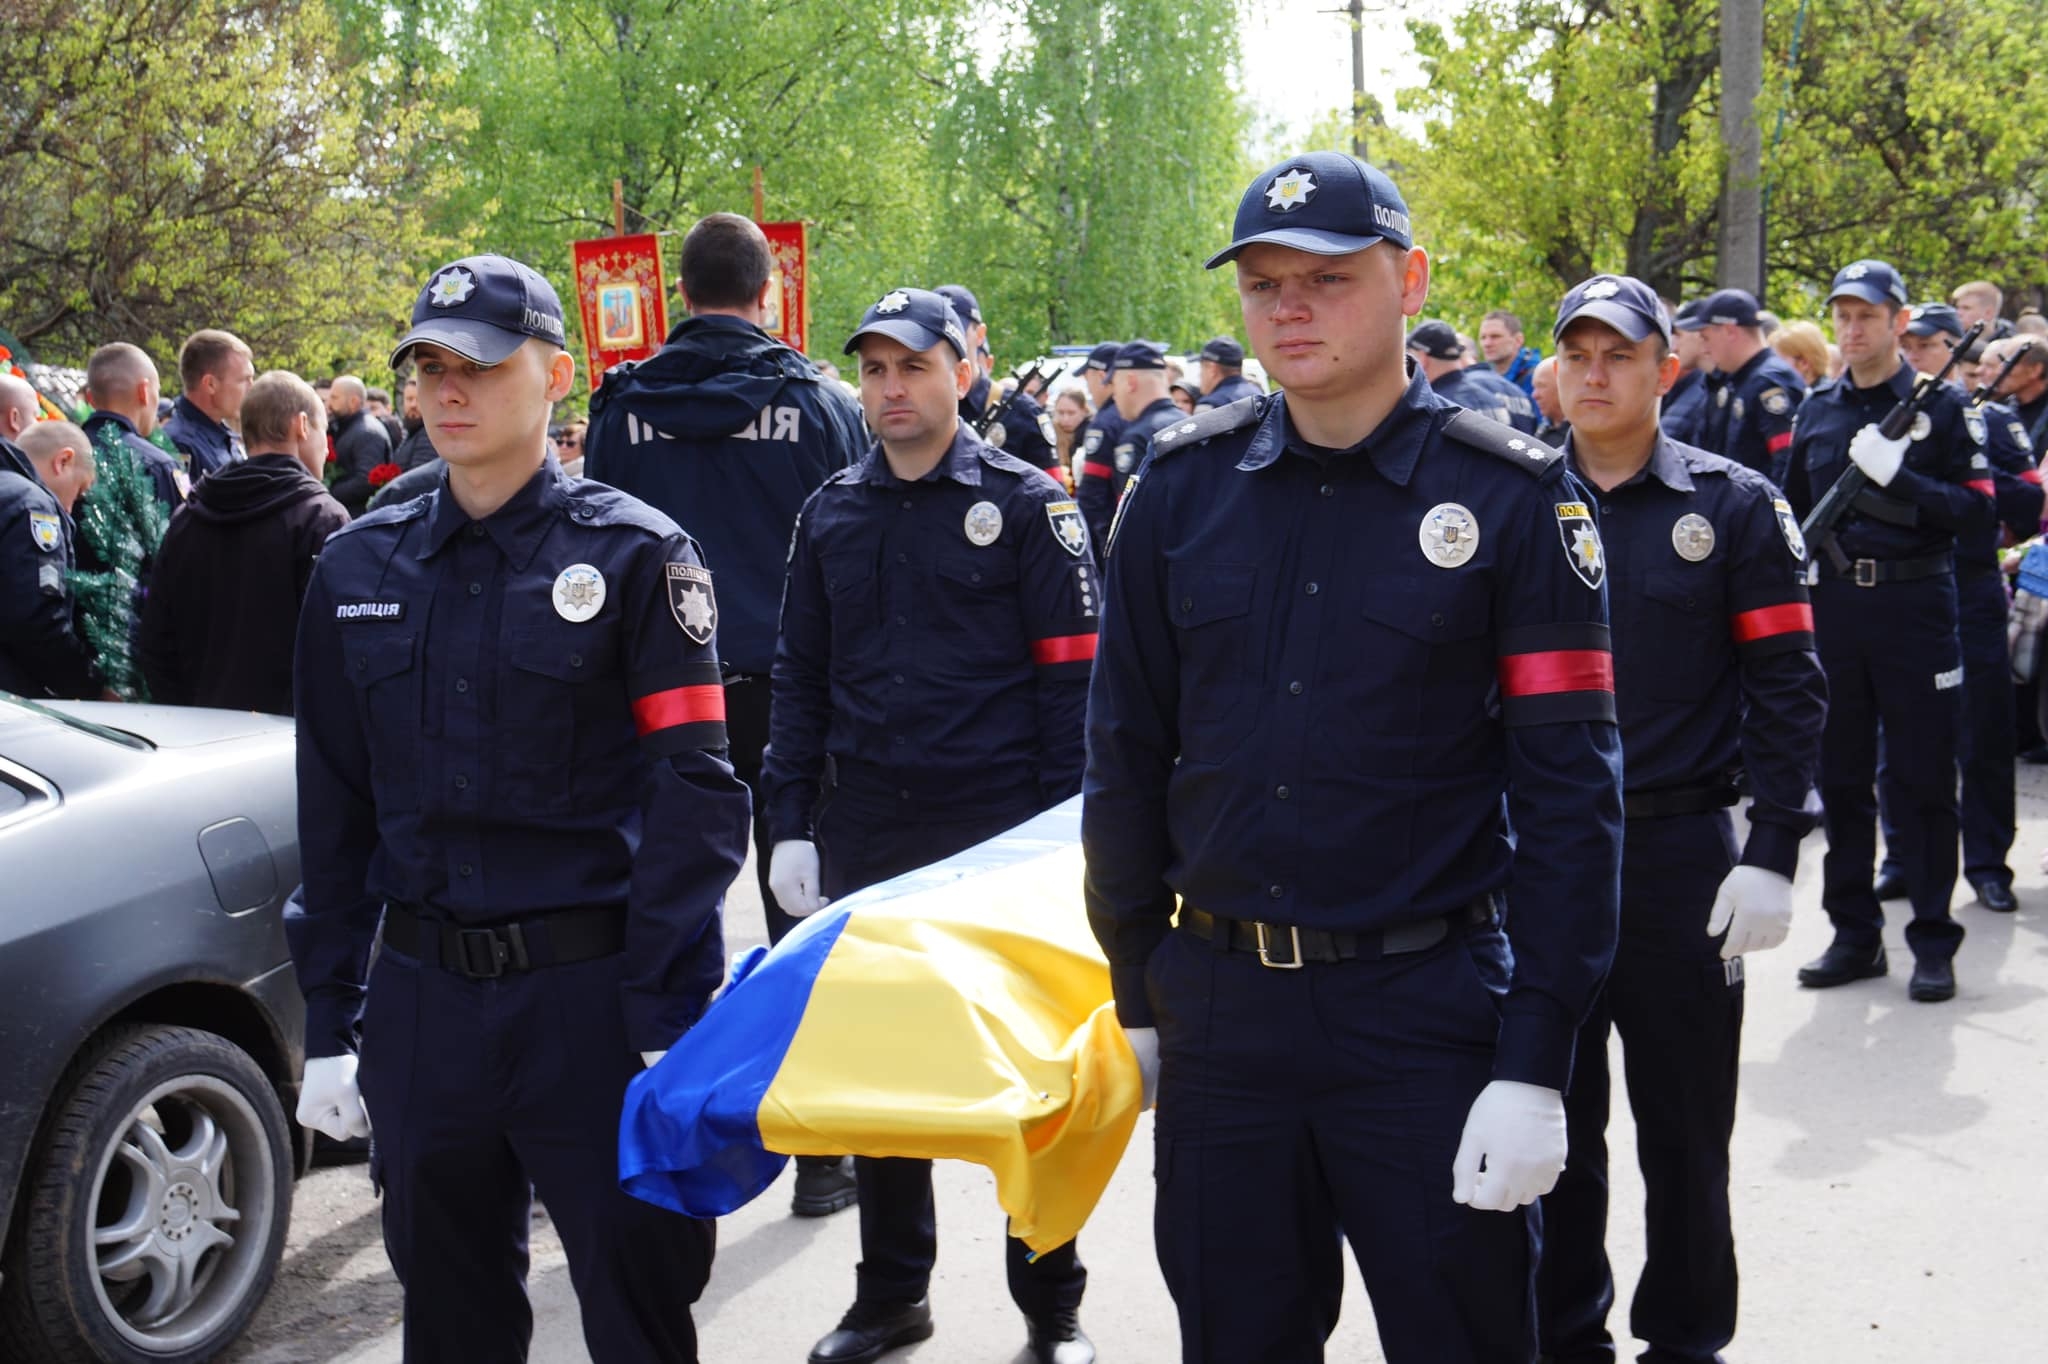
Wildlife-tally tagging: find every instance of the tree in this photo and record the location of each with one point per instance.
(172, 164)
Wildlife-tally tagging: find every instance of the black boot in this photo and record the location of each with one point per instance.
(1934, 980)
(824, 1185)
(1057, 1338)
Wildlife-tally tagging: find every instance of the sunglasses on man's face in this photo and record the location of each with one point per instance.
(575, 441)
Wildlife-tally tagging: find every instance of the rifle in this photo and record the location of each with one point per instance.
(997, 411)
(1990, 386)
(1820, 522)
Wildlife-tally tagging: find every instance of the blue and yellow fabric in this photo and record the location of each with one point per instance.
(960, 1012)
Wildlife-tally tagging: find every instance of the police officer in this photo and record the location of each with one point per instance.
(1024, 429)
(1096, 484)
(1749, 419)
(1445, 362)
(1714, 673)
(1684, 407)
(1986, 740)
(1352, 635)
(215, 369)
(41, 480)
(937, 632)
(2025, 389)
(1145, 406)
(1221, 370)
(1885, 611)
(511, 747)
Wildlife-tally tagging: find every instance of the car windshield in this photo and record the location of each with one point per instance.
(112, 736)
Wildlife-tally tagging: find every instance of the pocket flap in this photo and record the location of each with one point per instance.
(1200, 594)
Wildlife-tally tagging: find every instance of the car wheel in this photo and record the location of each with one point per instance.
(156, 1208)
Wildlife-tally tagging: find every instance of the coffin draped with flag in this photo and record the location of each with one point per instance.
(960, 1012)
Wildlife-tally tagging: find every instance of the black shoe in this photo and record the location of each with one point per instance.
(1842, 963)
(1057, 1338)
(870, 1330)
(1933, 981)
(824, 1185)
(1995, 895)
(2036, 755)
(1890, 884)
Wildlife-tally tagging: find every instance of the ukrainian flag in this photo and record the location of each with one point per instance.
(959, 1012)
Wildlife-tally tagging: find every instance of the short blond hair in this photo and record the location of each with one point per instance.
(43, 440)
(275, 400)
(1798, 341)
(1983, 290)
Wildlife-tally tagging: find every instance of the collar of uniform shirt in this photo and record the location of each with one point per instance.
(961, 463)
(518, 527)
(1666, 465)
(1393, 447)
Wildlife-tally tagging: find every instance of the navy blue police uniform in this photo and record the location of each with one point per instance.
(1749, 417)
(167, 477)
(1024, 429)
(1233, 386)
(937, 637)
(41, 655)
(1885, 611)
(1715, 676)
(496, 717)
(208, 446)
(1329, 683)
(1135, 437)
(1096, 484)
(1684, 407)
(1479, 389)
(732, 428)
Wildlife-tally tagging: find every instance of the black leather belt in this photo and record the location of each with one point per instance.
(1287, 947)
(1679, 800)
(484, 952)
(1871, 572)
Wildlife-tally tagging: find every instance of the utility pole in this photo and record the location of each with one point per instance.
(1358, 79)
(1742, 80)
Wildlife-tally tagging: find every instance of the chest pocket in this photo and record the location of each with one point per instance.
(974, 615)
(1424, 654)
(1210, 606)
(1683, 638)
(854, 594)
(562, 705)
(383, 666)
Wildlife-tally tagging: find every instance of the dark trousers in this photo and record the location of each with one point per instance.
(746, 729)
(1986, 741)
(863, 839)
(1298, 1106)
(483, 1092)
(1893, 660)
(1678, 1008)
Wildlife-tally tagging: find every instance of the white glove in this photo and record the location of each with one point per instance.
(1755, 906)
(329, 1101)
(793, 877)
(1517, 1130)
(651, 1059)
(1145, 1046)
(1876, 456)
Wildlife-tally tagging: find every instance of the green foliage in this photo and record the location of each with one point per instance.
(204, 163)
(119, 526)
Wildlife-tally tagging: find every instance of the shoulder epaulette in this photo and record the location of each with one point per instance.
(596, 504)
(850, 474)
(1479, 432)
(1205, 424)
(1007, 462)
(390, 514)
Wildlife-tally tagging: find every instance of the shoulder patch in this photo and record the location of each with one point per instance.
(1205, 424)
(1481, 432)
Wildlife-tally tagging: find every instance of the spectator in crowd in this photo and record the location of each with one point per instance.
(122, 385)
(18, 407)
(223, 605)
(1804, 347)
(1982, 301)
(215, 369)
(1543, 391)
(41, 480)
(1070, 413)
(1443, 357)
(1185, 391)
(569, 447)
(417, 448)
(1768, 322)
(360, 442)
(378, 400)
(1500, 342)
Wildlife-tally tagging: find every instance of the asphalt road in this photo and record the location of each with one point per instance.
(1891, 1201)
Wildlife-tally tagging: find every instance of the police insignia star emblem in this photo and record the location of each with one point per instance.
(1581, 543)
(1923, 426)
(1857, 271)
(1290, 189)
(1602, 288)
(1789, 524)
(1449, 535)
(1975, 422)
(578, 592)
(1518, 446)
(895, 301)
(984, 523)
(44, 530)
(1067, 526)
(1692, 535)
(692, 602)
(1775, 401)
(451, 288)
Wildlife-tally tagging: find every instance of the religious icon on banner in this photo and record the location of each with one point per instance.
(788, 315)
(620, 299)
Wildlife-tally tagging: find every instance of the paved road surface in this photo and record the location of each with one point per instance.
(1891, 1201)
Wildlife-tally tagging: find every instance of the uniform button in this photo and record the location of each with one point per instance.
(899, 741)
(1604, 511)
(476, 530)
(1327, 490)
(1187, 604)
(903, 558)
(361, 664)
(903, 620)
(903, 795)
(575, 660)
(464, 870)
(1312, 589)
(1437, 619)
(1282, 792)
(906, 504)
(974, 577)
(476, 589)
(897, 679)
(1294, 688)
(462, 684)
(461, 782)
(1274, 892)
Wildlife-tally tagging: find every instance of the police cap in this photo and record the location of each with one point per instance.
(1327, 203)
(918, 318)
(1737, 306)
(964, 304)
(1689, 317)
(483, 308)
(1870, 280)
(1437, 340)
(1103, 357)
(1223, 350)
(1623, 302)
(1930, 319)
(1140, 355)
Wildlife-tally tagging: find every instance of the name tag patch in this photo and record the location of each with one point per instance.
(369, 610)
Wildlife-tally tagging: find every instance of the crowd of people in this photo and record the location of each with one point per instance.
(1310, 656)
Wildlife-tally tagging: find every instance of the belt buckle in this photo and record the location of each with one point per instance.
(1266, 947)
(1866, 573)
(497, 952)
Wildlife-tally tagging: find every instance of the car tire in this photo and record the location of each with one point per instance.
(156, 1206)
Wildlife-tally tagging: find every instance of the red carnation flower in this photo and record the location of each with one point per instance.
(383, 474)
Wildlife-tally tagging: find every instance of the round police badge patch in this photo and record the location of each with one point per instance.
(579, 592)
(1923, 426)
(1449, 535)
(1735, 412)
(1693, 537)
(984, 523)
(1720, 397)
(997, 435)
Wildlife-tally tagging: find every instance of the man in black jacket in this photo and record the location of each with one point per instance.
(223, 606)
(41, 479)
(360, 442)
